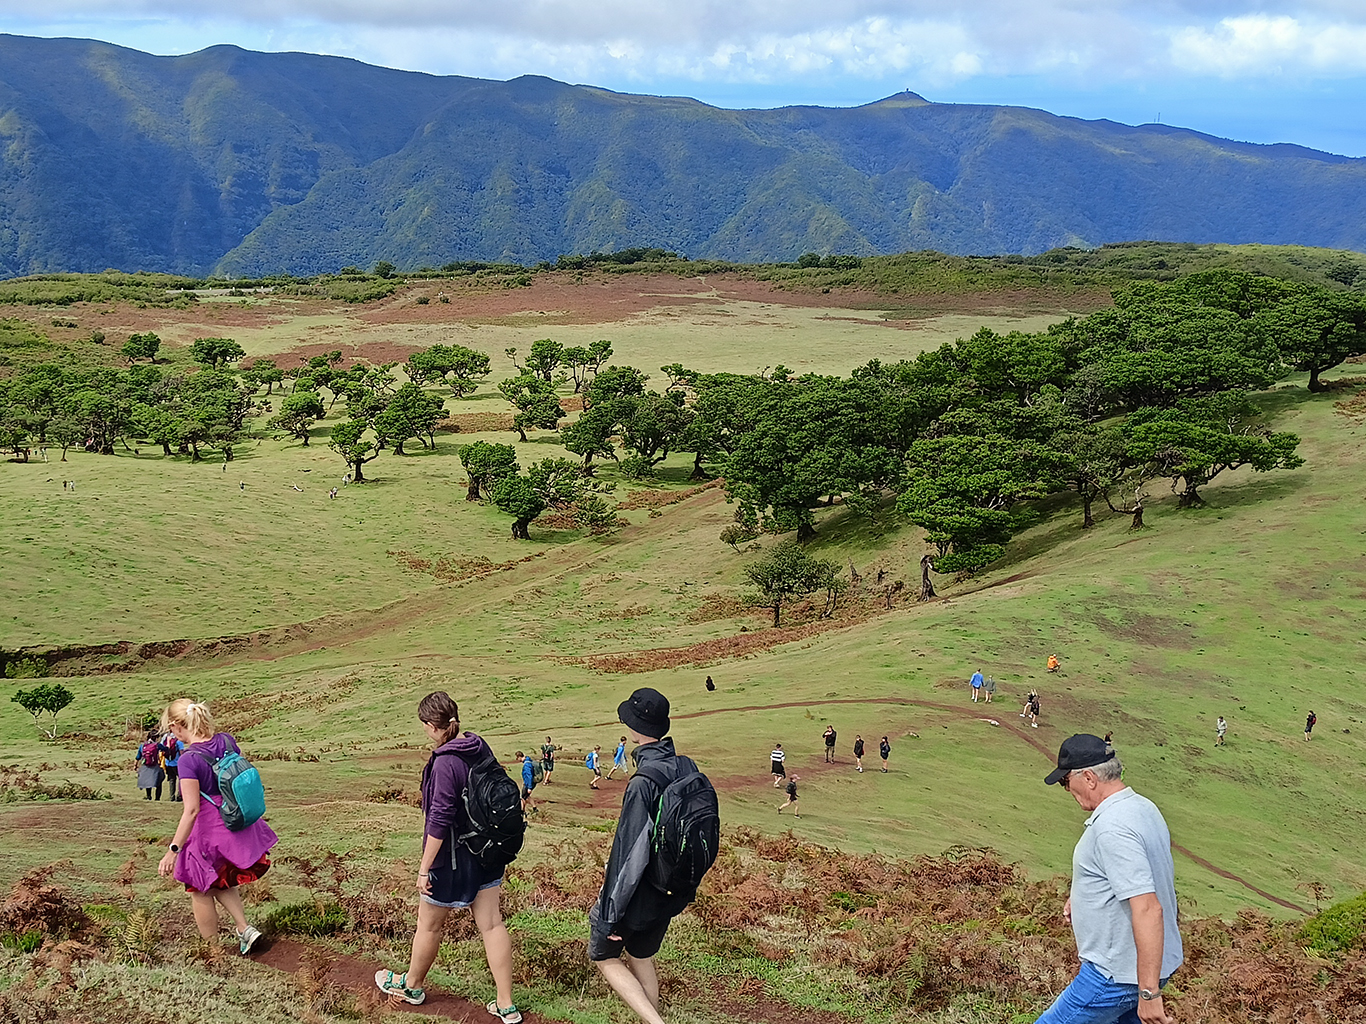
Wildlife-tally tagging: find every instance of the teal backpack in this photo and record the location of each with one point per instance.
(243, 797)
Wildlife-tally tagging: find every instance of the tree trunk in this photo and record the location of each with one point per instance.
(165, 450)
(521, 431)
(1137, 512)
(805, 531)
(777, 610)
(926, 584)
(698, 473)
(303, 436)
(359, 476)
(1087, 520)
(1314, 383)
(472, 491)
(1190, 497)
(519, 529)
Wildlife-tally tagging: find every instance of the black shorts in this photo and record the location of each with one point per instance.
(547, 766)
(639, 942)
(526, 792)
(778, 769)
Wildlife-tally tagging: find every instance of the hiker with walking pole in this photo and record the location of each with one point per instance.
(221, 842)
(474, 828)
(665, 842)
(1122, 907)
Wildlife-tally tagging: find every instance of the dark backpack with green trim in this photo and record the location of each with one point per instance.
(687, 827)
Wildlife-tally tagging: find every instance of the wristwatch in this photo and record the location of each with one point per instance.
(1147, 993)
(174, 847)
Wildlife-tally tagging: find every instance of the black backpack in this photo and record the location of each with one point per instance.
(493, 803)
(687, 828)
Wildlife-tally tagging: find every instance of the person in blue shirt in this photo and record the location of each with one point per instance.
(619, 759)
(170, 757)
(528, 783)
(976, 682)
(591, 762)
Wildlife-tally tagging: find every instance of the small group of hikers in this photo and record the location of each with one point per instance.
(666, 840)
(158, 763)
(536, 773)
(777, 765)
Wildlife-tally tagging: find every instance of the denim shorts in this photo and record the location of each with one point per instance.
(1092, 998)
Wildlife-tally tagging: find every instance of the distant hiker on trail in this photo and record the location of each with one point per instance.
(1053, 663)
(710, 685)
(1029, 703)
(591, 761)
(548, 758)
(989, 688)
(211, 861)
(148, 760)
(1309, 724)
(461, 770)
(1109, 736)
(976, 682)
(829, 744)
(1034, 711)
(858, 753)
(618, 759)
(1220, 727)
(776, 760)
(241, 485)
(885, 749)
(170, 757)
(654, 869)
(529, 781)
(1123, 902)
(791, 797)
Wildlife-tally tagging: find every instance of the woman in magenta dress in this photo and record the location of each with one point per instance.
(211, 861)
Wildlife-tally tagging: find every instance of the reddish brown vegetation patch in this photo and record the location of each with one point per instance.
(454, 569)
(476, 422)
(1353, 408)
(652, 499)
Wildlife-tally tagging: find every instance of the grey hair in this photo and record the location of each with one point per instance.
(1108, 771)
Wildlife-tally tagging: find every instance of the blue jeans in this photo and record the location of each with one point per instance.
(1092, 998)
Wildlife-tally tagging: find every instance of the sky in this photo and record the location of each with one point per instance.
(1252, 70)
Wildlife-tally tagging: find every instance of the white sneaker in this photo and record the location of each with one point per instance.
(246, 939)
(1034, 724)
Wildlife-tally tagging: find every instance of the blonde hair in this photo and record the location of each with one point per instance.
(191, 715)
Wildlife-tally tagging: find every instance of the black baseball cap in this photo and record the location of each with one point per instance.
(647, 712)
(1077, 752)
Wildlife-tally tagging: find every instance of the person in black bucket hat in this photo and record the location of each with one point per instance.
(1122, 907)
(632, 914)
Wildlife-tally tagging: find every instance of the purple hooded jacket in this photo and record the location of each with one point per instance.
(443, 784)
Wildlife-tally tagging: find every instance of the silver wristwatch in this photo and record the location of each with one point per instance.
(1147, 993)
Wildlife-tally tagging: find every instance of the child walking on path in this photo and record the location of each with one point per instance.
(618, 759)
(528, 782)
(1308, 726)
(548, 758)
(204, 856)
(791, 797)
(885, 749)
(1220, 727)
(450, 877)
(592, 762)
(858, 753)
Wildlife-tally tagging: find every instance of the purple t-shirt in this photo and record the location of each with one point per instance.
(196, 761)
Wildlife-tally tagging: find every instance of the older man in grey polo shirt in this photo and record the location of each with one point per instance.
(1123, 903)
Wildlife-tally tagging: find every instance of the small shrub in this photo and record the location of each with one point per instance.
(1339, 928)
(308, 918)
(422, 300)
(27, 942)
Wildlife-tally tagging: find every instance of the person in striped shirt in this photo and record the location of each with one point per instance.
(778, 772)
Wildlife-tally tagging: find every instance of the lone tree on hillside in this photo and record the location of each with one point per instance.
(537, 405)
(46, 699)
(460, 368)
(141, 346)
(485, 464)
(550, 483)
(411, 412)
(298, 412)
(349, 442)
(788, 572)
(216, 352)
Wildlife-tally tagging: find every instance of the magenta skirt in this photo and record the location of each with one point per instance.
(214, 858)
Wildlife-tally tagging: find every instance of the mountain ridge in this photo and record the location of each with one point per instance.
(233, 161)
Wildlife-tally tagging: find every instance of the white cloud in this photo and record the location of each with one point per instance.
(1260, 44)
(763, 41)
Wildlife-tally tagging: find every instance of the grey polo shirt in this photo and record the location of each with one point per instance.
(1125, 851)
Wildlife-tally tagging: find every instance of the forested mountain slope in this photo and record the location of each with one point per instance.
(252, 163)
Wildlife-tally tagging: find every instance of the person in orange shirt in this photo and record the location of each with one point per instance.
(1053, 663)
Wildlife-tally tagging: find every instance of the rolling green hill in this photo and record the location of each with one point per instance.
(249, 163)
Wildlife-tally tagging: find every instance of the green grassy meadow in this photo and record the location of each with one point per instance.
(1250, 607)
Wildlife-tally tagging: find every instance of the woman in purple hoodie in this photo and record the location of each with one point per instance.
(209, 860)
(450, 877)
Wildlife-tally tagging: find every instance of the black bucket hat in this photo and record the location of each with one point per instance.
(647, 712)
